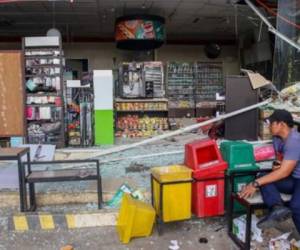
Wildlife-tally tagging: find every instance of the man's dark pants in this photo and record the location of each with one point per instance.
(290, 185)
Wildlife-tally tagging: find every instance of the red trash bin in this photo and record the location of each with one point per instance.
(208, 195)
(204, 157)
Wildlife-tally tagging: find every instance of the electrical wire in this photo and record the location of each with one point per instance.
(274, 13)
(270, 5)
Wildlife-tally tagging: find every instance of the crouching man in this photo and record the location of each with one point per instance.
(285, 177)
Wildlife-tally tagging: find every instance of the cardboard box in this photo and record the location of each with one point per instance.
(239, 228)
(265, 113)
(256, 79)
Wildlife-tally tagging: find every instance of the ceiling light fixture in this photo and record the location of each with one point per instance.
(53, 31)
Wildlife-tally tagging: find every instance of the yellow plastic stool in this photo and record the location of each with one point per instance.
(135, 219)
(173, 183)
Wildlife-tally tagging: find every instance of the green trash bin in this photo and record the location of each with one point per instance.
(225, 148)
(239, 156)
(238, 184)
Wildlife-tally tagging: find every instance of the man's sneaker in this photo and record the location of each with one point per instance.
(277, 214)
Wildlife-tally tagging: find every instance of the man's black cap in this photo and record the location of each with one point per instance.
(281, 115)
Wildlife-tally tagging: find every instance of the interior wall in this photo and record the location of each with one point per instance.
(191, 53)
(105, 55)
(101, 56)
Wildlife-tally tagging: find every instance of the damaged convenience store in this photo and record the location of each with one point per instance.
(149, 123)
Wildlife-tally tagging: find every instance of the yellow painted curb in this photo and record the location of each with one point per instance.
(20, 223)
(46, 222)
(67, 221)
(70, 218)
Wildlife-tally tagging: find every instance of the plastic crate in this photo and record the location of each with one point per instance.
(135, 219)
(176, 198)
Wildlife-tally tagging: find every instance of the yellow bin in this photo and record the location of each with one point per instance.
(135, 219)
(176, 197)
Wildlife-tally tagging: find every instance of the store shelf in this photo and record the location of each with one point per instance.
(79, 116)
(42, 94)
(180, 84)
(150, 83)
(180, 77)
(40, 83)
(208, 80)
(31, 57)
(44, 48)
(43, 105)
(134, 126)
(153, 72)
(141, 113)
(174, 77)
(142, 100)
(40, 121)
(44, 66)
(144, 111)
(42, 75)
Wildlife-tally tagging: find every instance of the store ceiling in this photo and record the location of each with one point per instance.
(189, 20)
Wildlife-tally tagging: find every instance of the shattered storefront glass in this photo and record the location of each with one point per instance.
(286, 69)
